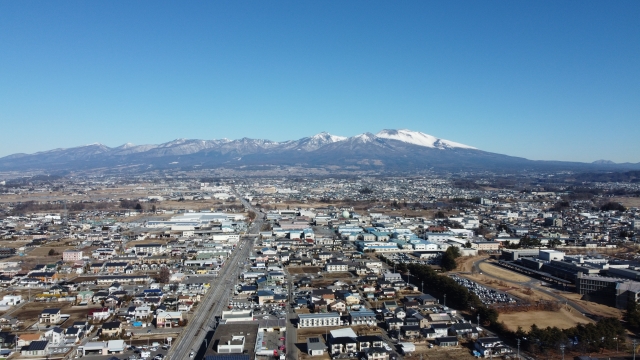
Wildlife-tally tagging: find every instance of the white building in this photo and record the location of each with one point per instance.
(318, 320)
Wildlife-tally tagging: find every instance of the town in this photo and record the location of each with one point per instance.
(294, 268)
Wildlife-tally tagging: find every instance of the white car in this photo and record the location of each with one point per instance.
(191, 354)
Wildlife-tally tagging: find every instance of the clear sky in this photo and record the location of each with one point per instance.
(556, 80)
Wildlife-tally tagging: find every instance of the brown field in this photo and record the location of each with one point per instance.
(311, 270)
(14, 244)
(562, 319)
(440, 353)
(337, 275)
(628, 201)
(43, 252)
(501, 273)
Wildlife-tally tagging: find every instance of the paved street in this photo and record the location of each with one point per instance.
(203, 320)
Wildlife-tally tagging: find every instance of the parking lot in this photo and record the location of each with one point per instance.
(487, 296)
(410, 259)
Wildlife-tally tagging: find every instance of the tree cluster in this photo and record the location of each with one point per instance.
(448, 261)
(583, 337)
(613, 206)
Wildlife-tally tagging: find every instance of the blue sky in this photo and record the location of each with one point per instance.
(540, 79)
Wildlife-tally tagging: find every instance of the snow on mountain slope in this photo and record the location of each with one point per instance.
(420, 139)
(326, 137)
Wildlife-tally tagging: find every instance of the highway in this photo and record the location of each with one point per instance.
(216, 299)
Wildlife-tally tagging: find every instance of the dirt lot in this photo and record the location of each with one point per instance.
(310, 270)
(440, 353)
(30, 312)
(43, 252)
(563, 319)
(337, 275)
(501, 273)
(465, 264)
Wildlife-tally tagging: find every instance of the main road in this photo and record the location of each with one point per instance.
(216, 299)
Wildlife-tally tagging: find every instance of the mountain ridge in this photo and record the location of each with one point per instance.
(387, 150)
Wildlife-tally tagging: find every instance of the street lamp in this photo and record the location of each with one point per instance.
(562, 350)
(634, 349)
(445, 300)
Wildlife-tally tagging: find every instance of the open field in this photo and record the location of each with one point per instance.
(337, 275)
(43, 252)
(501, 273)
(310, 270)
(628, 202)
(440, 353)
(562, 319)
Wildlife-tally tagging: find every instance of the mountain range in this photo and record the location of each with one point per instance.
(388, 150)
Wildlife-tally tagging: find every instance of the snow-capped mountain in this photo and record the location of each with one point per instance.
(420, 139)
(388, 150)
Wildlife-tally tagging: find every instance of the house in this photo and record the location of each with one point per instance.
(376, 353)
(11, 300)
(50, 316)
(84, 296)
(35, 348)
(55, 336)
(485, 345)
(343, 345)
(426, 299)
(394, 323)
(111, 329)
(438, 330)
(409, 331)
(169, 319)
(326, 294)
(7, 339)
(369, 341)
(315, 346)
(99, 314)
(447, 341)
(26, 339)
(465, 330)
(338, 306)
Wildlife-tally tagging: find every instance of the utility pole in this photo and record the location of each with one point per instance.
(634, 349)
(479, 321)
(445, 300)
(422, 287)
(518, 348)
(561, 350)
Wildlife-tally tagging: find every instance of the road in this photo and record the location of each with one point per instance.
(291, 337)
(203, 320)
